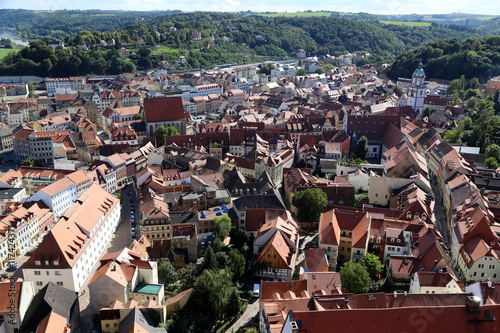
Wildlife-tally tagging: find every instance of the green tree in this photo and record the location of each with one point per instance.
(162, 131)
(236, 263)
(32, 162)
(301, 72)
(31, 88)
(233, 304)
(211, 292)
(398, 90)
(218, 245)
(328, 67)
(137, 116)
(493, 151)
(362, 147)
(187, 276)
(372, 264)
(354, 277)
(171, 130)
(209, 259)
(160, 134)
(266, 68)
(310, 203)
(166, 272)
(426, 112)
(491, 163)
(222, 226)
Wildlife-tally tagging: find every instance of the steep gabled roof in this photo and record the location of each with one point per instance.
(159, 109)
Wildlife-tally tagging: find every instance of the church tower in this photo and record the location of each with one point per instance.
(416, 92)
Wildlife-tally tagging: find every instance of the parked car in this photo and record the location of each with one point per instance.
(311, 244)
(12, 268)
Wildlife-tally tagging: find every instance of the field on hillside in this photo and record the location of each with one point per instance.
(413, 24)
(4, 52)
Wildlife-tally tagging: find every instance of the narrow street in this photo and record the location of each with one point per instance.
(440, 215)
(251, 313)
(123, 236)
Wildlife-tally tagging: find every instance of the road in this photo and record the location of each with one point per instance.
(123, 236)
(440, 215)
(251, 312)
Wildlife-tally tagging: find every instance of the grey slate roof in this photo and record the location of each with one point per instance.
(9, 193)
(55, 298)
(265, 201)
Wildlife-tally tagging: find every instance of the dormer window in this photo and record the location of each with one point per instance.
(38, 262)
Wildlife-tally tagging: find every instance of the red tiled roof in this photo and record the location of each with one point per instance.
(160, 109)
(315, 259)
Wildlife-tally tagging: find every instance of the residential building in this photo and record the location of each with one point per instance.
(16, 299)
(435, 283)
(71, 83)
(276, 246)
(53, 309)
(154, 219)
(344, 236)
(120, 274)
(58, 196)
(73, 247)
(120, 167)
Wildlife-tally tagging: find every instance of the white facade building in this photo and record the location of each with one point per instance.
(58, 196)
(64, 83)
(74, 246)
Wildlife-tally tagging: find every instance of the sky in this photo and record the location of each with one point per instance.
(391, 7)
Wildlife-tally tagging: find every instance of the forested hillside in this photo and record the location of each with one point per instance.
(450, 59)
(210, 39)
(60, 23)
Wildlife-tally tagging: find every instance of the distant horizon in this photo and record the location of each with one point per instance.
(376, 7)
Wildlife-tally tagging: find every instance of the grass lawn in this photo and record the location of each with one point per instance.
(4, 52)
(299, 14)
(414, 24)
(486, 18)
(164, 49)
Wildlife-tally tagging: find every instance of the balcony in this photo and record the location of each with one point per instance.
(332, 253)
(357, 256)
(332, 262)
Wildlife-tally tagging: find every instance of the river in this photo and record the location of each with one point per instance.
(8, 34)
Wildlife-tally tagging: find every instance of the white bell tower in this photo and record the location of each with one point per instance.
(416, 92)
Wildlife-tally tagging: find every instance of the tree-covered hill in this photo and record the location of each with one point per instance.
(208, 39)
(450, 59)
(491, 26)
(60, 23)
